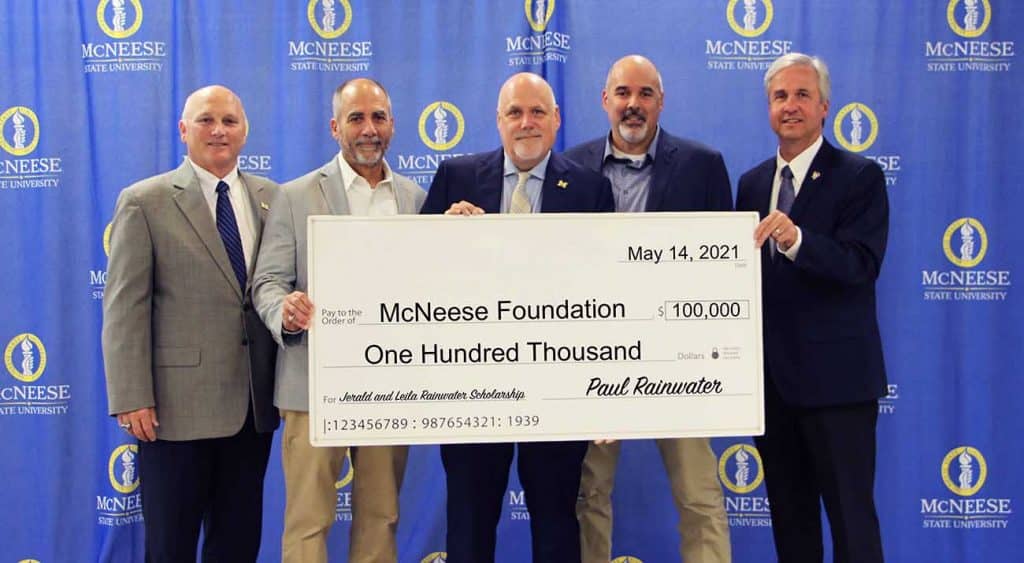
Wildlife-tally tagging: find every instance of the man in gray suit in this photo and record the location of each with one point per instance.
(183, 367)
(355, 182)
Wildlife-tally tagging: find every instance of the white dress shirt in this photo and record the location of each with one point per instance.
(239, 204)
(799, 166)
(364, 200)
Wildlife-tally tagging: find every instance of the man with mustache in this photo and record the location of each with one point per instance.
(651, 170)
(187, 375)
(357, 181)
(524, 176)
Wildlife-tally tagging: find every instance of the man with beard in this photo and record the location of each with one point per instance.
(651, 170)
(357, 181)
(524, 176)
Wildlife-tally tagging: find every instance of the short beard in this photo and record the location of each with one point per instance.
(368, 160)
(363, 160)
(633, 135)
(522, 154)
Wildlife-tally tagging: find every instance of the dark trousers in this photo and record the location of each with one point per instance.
(815, 455)
(216, 483)
(477, 476)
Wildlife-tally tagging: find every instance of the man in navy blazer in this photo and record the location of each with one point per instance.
(826, 214)
(524, 176)
(651, 170)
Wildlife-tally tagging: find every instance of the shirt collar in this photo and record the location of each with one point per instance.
(800, 163)
(535, 172)
(208, 180)
(611, 152)
(349, 175)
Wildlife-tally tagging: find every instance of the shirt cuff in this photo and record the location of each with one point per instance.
(793, 250)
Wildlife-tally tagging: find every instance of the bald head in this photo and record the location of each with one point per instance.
(215, 91)
(526, 81)
(355, 88)
(633, 98)
(634, 63)
(528, 119)
(213, 126)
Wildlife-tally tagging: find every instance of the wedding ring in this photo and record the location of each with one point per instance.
(125, 425)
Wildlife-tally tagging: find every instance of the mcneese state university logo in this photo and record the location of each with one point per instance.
(964, 473)
(441, 127)
(120, 50)
(965, 244)
(969, 20)
(741, 472)
(541, 44)
(887, 404)
(25, 360)
(328, 21)
(627, 559)
(123, 506)
(435, 557)
(98, 276)
(343, 507)
(517, 505)
(19, 137)
(856, 129)
(749, 19)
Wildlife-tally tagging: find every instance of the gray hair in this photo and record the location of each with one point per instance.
(800, 59)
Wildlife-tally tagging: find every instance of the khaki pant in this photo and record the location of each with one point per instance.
(693, 473)
(311, 499)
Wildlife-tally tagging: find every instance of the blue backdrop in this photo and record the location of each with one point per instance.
(90, 94)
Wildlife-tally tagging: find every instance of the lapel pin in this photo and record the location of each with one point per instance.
(815, 175)
(562, 184)
(264, 206)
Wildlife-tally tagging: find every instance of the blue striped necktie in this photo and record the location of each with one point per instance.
(228, 229)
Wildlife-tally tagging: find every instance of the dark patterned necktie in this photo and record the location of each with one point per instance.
(228, 229)
(786, 191)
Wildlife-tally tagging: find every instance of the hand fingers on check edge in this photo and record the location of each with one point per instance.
(763, 230)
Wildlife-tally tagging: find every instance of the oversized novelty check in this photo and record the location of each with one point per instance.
(496, 328)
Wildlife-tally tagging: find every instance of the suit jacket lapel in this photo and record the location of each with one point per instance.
(190, 200)
(489, 174)
(406, 201)
(663, 159)
(763, 185)
(333, 188)
(260, 205)
(595, 155)
(816, 180)
(554, 193)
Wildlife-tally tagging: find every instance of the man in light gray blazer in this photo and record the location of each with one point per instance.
(186, 374)
(357, 181)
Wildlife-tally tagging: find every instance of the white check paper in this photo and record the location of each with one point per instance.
(500, 328)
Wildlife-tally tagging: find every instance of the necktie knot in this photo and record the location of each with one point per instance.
(222, 187)
(787, 173)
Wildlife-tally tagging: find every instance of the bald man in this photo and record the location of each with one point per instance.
(188, 375)
(356, 181)
(651, 170)
(524, 176)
